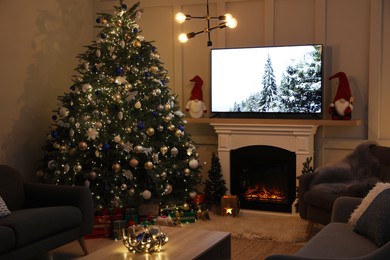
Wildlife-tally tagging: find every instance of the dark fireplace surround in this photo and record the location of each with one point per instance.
(263, 177)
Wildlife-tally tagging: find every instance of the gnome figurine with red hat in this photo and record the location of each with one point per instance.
(195, 105)
(341, 107)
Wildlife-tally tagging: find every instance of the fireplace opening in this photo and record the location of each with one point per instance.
(263, 177)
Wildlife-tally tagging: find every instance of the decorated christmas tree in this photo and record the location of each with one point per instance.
(215, 185)
(120, 130)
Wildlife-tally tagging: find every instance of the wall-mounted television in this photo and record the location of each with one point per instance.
(267, 82)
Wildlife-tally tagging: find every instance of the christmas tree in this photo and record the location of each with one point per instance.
(215, 185)
(119, 130)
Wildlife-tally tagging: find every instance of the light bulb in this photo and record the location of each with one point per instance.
(231, 23)
(180, 17)
(183, 38)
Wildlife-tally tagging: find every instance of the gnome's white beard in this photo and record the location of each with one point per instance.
(341, 105)
(196, 108)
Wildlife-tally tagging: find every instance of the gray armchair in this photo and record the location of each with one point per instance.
(42, 217)
(337, 240)
(354, 176)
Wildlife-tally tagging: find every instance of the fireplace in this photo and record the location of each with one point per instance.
(263, 177)
(293, 137)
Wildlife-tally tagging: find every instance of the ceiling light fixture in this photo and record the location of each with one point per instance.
(226, 20)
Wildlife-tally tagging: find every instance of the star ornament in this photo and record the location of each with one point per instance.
(127, 147)
(92, 134)
(228, 211)
(131, 95)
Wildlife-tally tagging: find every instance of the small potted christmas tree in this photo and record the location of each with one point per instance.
(215, 185)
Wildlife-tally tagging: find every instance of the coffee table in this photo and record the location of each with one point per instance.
(183, 244)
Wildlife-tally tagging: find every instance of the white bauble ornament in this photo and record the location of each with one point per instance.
(64, 112)
(193, 163)
(192, 194)
(146, 194)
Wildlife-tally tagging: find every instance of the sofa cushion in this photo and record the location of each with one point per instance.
(375, 221)
(4, 211)
(7, 238)
(357, 213)
(341, 241)
(36, 223)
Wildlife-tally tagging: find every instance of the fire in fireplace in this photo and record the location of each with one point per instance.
(263, 177)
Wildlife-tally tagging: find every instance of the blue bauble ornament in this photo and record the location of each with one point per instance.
(141, 125)
(163, 82)
(124, 6)
(118, 71)
(54, 117)
(94, 69)
(73, 87)
(155, 114)
(54, 134)
(103, 36)
(98, 20)
(147, 74)
(106, 146)
(135, 30)
(181, 128)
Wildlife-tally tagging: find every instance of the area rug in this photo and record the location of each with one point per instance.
(276, 227)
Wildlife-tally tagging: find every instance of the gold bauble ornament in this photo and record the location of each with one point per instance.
(116, 167)
(92, 175)
(118, 23)
(163, 175)
(98, 125)
(174, 151)
(137, 105)
(128, 130)
(150, 131)
(163, 150)
(117, 97)
(178, 133)
(77, 168)
(138, 149)
(136, 44)
(82, 146)
(117, 139)
(167, 107)
(187, 172)
(72, 151)
(148, 165)
(63, 149)
(133, 162)
(171, 127)
(124, 186)
(56, 145)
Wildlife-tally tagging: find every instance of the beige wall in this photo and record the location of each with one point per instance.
(39, 44)
(40, 40)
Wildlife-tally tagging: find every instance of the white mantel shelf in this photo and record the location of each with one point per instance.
(255, 121)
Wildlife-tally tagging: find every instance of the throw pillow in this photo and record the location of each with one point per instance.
(4, 211)
(357, 213)
(375, 221)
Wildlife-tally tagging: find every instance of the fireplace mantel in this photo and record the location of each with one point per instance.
(295, 138)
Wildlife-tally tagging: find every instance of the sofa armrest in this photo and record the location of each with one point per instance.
(304, 185)
(343, 208)
(46, 195)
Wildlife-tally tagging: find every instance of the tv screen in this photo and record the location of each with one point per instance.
(267, 82)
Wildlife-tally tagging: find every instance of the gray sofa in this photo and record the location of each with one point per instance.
(42, 217)
(338, 240)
